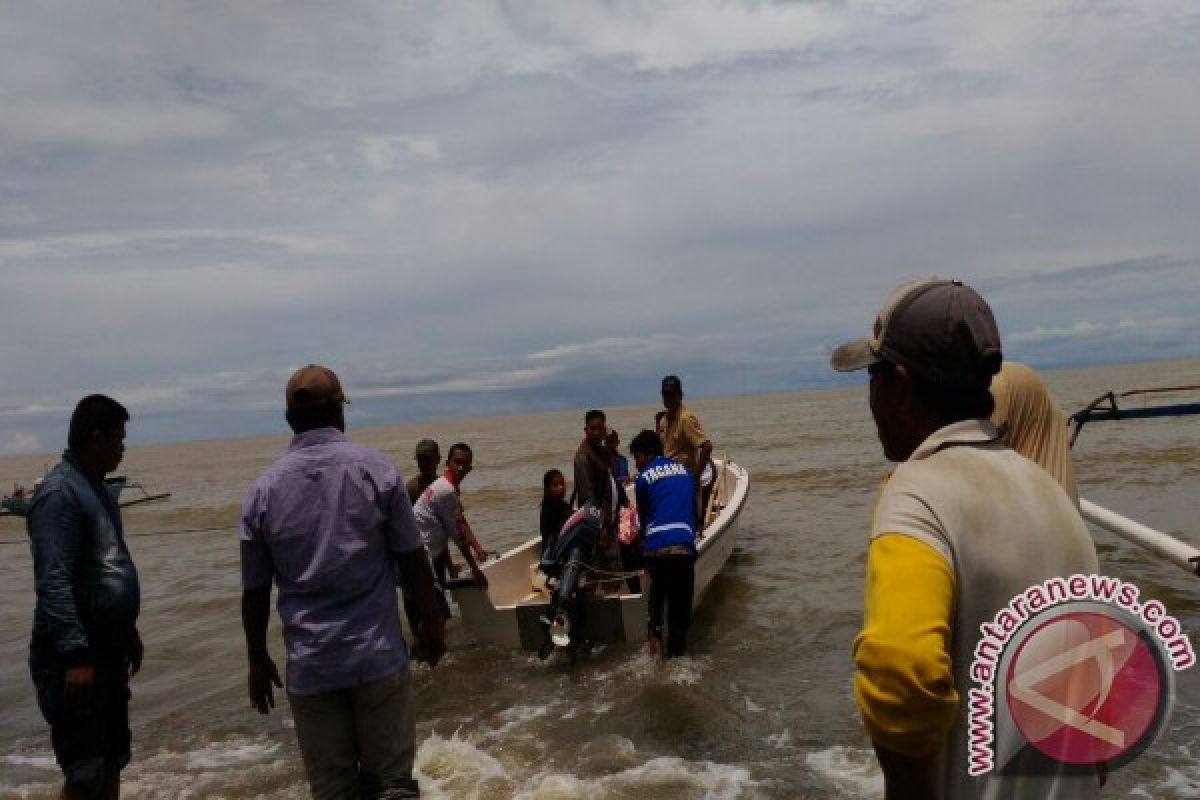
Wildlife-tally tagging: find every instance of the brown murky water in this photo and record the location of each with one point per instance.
(763, 707)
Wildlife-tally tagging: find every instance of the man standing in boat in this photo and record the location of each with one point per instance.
(85, 641)
(328, 524)
(684, 439)
(666, 509)
(963, 525)
(594, 482)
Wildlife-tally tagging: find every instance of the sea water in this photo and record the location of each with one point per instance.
(761, 708)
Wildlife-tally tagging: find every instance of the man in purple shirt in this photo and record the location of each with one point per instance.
(328, 523)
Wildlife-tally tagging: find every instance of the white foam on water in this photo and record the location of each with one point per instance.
(1180, 778)
(211, 769)
(37, 761)
(780, 740)
(1183, 782)
(666, 774)
(753, 707)
(686, 671)
(456, 768)
(231, 753)
(852, 770)
(515, 717)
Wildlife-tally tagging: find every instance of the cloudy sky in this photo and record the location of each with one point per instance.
(494, 206)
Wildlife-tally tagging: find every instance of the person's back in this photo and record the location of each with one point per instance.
(318, 513)
(330, 525)
(956, 494)
(963, 528)
(666, 507)
(665, 500)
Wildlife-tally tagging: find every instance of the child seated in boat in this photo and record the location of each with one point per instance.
(555, 508)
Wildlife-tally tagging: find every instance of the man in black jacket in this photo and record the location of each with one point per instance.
(85, 641)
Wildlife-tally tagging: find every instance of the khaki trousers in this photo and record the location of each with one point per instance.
(359, 742)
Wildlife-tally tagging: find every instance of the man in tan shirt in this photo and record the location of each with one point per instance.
(684, 439)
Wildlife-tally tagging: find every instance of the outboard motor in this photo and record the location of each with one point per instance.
(563, 562)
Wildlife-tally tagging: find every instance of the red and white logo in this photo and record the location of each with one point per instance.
(1084, 687)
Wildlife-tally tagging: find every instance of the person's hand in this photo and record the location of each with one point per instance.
(258, 682)
(480, 578)
(77, 685)
(432, 636)
(453, 569)
(658, 417)
(136, 651)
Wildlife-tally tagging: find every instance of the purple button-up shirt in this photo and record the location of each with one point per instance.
(324, 522)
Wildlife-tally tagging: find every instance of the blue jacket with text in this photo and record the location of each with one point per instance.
(666, 504)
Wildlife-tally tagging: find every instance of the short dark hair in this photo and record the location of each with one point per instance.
(96, 412)
(595, 413)
(647, 441)
(309, 419)
(466, 448)
(550, 475)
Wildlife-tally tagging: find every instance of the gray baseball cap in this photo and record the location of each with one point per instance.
(941, 329)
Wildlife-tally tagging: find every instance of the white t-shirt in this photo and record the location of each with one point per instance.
(437, 511)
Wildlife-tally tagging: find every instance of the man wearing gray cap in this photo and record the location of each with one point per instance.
(962, 526)
(326, 523)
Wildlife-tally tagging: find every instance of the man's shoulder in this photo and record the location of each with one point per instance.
(663, 468)
(60, 474)
(942, 485)
(950, 460)
(57, 485)
(337, 453)
(690, 422)
(369, 456)
(438, 490)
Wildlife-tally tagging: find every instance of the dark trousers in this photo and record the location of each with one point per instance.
(91, 737)
(672, 581)
(631, 562)
(412, 606)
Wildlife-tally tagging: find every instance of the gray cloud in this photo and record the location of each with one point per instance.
(500, 206)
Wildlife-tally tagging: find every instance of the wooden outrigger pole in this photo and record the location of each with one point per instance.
(1160, 544)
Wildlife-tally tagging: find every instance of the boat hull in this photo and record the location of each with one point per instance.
(508, 612)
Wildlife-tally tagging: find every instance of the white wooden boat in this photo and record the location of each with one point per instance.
(507, 612)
